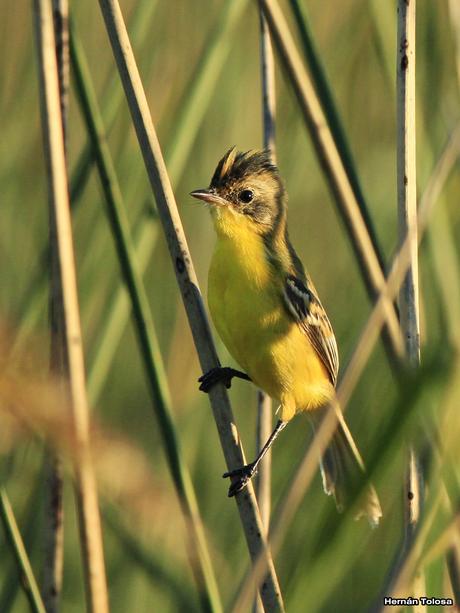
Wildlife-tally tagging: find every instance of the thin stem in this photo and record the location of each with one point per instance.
(53, 529)
(264, 403)
(407, 218)
(188, 283)
(267, 68)
(264, 421)
(333, 168)
(264, 429)
(87, 502)
(27, 578)
(201, 563)
(406, 174)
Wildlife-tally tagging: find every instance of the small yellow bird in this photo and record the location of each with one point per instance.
(269, 316)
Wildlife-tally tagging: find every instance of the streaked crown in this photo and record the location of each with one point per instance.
(239, 166)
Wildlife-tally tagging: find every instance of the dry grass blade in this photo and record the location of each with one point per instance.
(91, 535)
(186, 277)
(367, 340)
(334, 170)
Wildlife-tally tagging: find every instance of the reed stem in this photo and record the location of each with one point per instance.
(86, 491)
(188, 283)
(53, 529)
(156, 376)
(264, 403)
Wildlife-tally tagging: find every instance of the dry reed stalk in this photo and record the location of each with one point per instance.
(194, 102)
(144, 325)
(53, 529)
(334, 170)
(188, 283)
(90, 526)
(407, 222)
(369, 335)
(264, 419)
(264, 402)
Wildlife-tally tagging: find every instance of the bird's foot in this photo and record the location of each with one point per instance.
(240, 478)
(220, 374)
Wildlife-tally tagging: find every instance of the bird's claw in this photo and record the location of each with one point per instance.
(215, 375)
(240, 478)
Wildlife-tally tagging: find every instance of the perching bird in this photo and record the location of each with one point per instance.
(269, 316)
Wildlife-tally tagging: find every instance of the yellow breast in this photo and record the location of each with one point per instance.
(246, 304)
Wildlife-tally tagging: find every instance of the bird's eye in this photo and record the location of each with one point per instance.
(246, 195)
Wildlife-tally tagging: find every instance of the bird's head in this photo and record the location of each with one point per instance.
(246, 189)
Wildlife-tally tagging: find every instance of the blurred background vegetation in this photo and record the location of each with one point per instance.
(144, 537)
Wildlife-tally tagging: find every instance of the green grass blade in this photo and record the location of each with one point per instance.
(13, 534)
(34, 299)
(113, 96)
(118, 312)
(326, 97)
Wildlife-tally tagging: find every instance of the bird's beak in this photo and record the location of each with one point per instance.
(208, 195)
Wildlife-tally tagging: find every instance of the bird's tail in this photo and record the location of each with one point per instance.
(342, 470)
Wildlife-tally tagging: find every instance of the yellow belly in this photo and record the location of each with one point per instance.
(246, 305)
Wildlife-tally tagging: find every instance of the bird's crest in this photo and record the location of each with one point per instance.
(235, 165)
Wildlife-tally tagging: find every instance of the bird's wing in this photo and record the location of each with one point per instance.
(304, 306)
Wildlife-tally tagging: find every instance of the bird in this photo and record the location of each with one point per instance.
(269, 316)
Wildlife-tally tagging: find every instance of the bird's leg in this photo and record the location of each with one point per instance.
(219, 374)
(241, 476)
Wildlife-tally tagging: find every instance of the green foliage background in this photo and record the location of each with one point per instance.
(356, 40)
